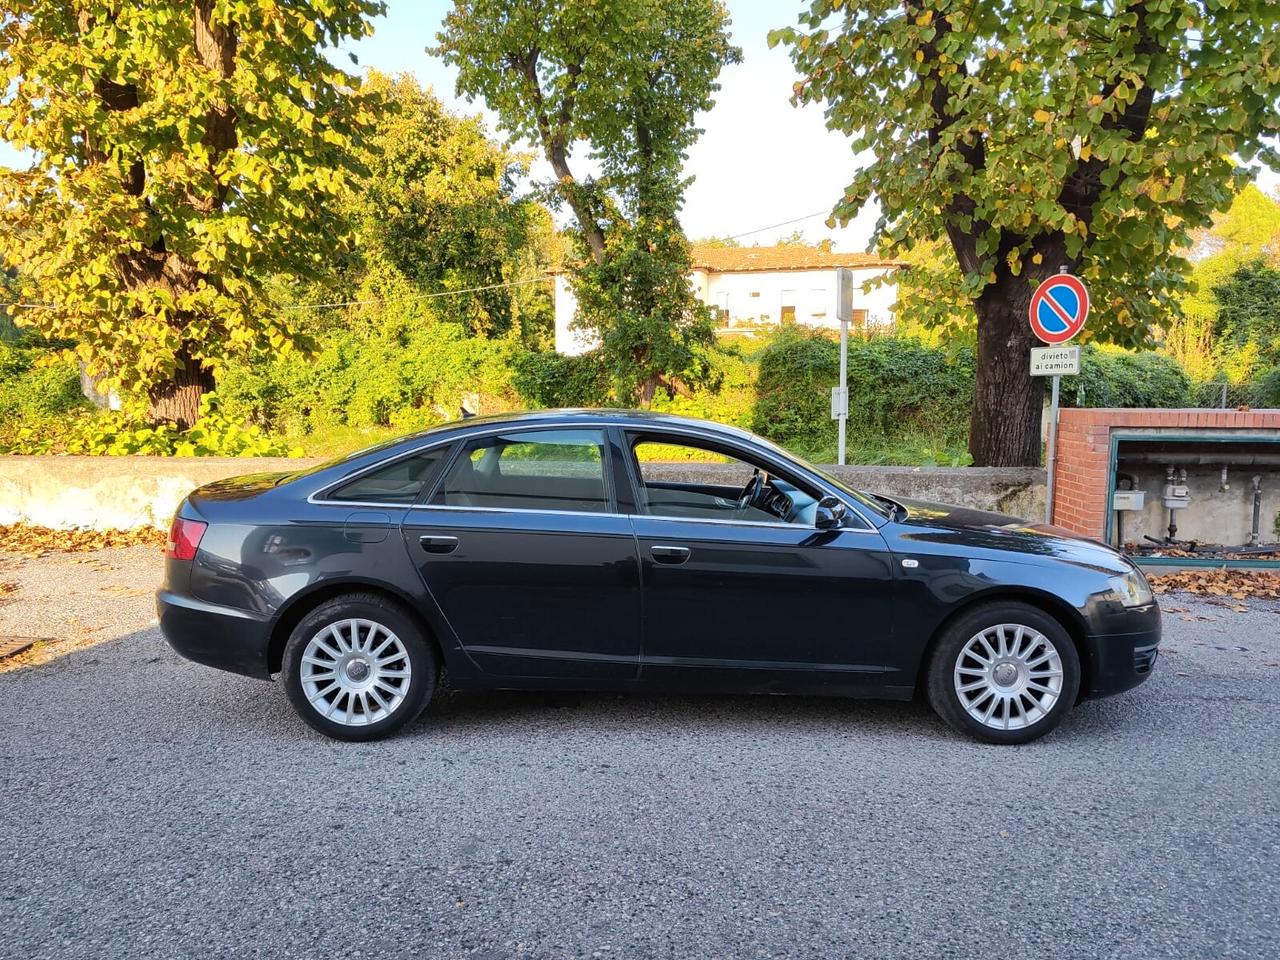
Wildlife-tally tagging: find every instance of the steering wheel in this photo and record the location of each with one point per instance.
(751, 492)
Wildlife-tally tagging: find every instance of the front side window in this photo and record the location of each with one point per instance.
(399, 482)
(691, 481)
(531, 470)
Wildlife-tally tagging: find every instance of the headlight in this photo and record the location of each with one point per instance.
(1132, 589)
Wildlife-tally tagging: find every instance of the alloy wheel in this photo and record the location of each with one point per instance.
(1008, 676)
(355, 672)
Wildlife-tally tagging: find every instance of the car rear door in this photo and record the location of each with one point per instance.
(527, 557)
(764, 604)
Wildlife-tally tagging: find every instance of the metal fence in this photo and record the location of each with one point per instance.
(1222, 396)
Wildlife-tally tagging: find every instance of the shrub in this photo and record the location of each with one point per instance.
(548, 379)
(1266, 390)
(122, 433)
(1112, 377)
(403, 375)
(35, 385)
(898, 387)
(729, 401)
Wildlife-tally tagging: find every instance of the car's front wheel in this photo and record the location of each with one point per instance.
(359, 668)
(1004, 672)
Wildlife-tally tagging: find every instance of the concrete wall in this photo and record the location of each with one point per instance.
(124, 492)
(1214, 515)
(106, 493)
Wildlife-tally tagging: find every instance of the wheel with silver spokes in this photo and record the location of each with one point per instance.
(356, 672)
(358, 667)
(1006, 672)
(1008, 676)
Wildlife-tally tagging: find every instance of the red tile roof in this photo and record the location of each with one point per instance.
(787, 257)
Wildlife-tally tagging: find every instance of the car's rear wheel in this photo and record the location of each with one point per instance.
(359, 668)
(1004, 672)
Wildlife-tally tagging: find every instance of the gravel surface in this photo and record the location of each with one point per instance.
(155, 808)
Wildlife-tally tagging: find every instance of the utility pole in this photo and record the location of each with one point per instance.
(840, 393)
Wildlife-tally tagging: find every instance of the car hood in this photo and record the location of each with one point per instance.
(965, 526)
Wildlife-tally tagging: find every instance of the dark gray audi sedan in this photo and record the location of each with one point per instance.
(561, 550)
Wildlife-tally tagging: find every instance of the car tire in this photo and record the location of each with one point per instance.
(359, 667)
(1004, 672)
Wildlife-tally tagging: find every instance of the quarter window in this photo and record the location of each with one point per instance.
(532, 470)
(398, 482)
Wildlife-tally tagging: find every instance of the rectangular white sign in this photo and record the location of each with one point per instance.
(1055, 361)
(839, 402)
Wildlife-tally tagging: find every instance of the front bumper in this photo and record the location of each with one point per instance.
(1121, 661)
(214, 635)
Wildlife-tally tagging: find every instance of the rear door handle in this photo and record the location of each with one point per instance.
(433, 543)
(667, 554)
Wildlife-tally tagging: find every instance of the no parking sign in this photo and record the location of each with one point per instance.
(1059, 308)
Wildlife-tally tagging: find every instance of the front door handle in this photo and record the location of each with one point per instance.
(433, 543)
(666, 554)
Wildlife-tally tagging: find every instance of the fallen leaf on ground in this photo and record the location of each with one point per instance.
(1236, 584)
(35, 541)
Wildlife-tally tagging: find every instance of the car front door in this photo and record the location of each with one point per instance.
(523, 550)
(740, 593)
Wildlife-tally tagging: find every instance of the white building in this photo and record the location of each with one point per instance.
(754, 287)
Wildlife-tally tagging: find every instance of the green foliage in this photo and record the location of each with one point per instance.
(1036, 134)
(1249, 313)
(1266, 390)
(1245, 235)
(637, 301)
(179, 155)
(1112, 377)
(391, 369)
(626, 78)
(436, 210)
(731, 403)
(35, 385)
(976, 109)
(898, 388)
(119, 433)
(549, 379)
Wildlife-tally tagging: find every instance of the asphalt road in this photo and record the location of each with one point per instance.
(154, 808)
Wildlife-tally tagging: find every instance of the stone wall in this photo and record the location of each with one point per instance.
(124, 492)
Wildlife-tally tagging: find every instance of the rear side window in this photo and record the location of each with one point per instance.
(533, 470)
(400, 482)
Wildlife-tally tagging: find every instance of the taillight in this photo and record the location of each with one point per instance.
(184, 538)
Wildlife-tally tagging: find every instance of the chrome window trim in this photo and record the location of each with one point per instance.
(454, 508)
(464, 435)
(766, 455)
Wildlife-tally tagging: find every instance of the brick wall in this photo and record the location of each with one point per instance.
(1083, 483)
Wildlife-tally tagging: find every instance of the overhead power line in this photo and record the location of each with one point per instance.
(436, 294)
(774, 226)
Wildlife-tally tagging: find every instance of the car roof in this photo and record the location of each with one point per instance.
(605, 416)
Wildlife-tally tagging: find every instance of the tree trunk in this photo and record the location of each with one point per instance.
(1004, 426)
(177, 400)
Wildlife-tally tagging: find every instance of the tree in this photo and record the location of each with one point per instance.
(436, 209)
(181, 153)
(1039, 134)
(627, 78)
(1242, 237)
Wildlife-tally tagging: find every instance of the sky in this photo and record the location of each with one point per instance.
(759, 162)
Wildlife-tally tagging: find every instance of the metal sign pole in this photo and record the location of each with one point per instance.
(1053, 451)
(844, 386)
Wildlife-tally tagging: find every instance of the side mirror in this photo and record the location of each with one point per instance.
(831, 511)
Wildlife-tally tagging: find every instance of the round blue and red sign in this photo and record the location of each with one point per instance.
(1059, 308)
